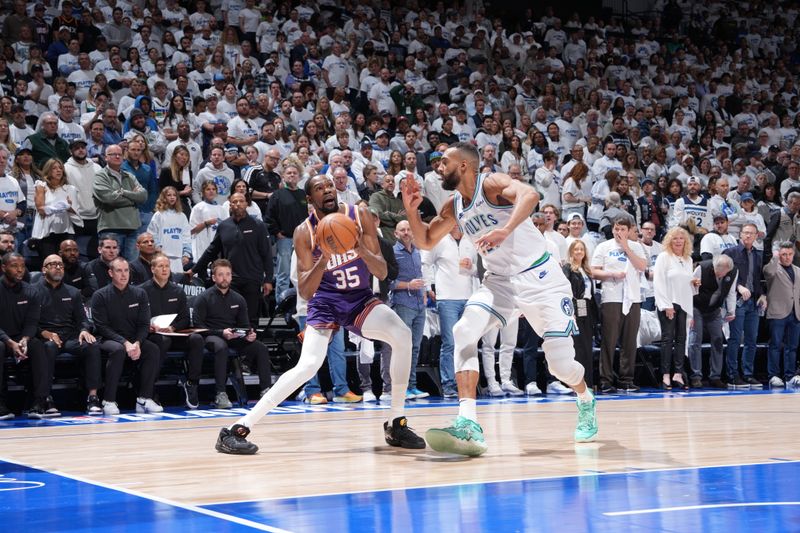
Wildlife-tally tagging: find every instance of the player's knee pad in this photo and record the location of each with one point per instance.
(560, 355)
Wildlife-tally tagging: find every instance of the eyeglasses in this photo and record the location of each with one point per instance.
(113, 154)
(53, 264)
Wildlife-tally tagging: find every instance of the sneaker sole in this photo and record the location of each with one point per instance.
(406, 446)
(93, 413)
(221, 448)
(443, 442)
(589, 438)
(423, 395)
(344, 400)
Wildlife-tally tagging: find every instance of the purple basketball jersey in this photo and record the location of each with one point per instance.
(344, 296)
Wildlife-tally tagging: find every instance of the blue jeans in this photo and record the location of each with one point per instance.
(284, 249)
(415, 320)
(450, 312)
(337, 365)
(784, 334)
(126, 242)
(746, 322)
(649, 303)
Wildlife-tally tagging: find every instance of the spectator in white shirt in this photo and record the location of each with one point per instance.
(673, 284)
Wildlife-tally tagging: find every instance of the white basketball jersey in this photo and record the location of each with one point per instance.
(521, 250)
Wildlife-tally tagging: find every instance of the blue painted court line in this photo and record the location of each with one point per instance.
(293, 407)
(35, 500)
(762, 497)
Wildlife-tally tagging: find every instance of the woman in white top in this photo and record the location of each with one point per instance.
(674, 285)
(171, 230)
(55, 217)
(750, 215)
(576, 193)
(515, 154)
(205, 218)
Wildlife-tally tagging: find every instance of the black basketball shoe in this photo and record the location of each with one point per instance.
(234, 441)
(401, 436)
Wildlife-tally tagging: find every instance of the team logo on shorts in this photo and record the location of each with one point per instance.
(566, 306)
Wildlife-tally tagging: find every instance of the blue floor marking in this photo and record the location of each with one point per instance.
(762, 497)
(38, 501)
(293, 407)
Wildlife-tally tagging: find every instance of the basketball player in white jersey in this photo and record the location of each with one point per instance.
(493, 211)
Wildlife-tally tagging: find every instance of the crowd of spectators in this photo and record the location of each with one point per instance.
(186, 130)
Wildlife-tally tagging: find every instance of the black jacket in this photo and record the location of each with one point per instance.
(121, 315)
(285, 211)
(168, 300)
(711, 293)
(82, 278)
(245, 243)
(20, 305)
(99, 269)
(392, 269)
(737, 253)
(62, 310)
(215, 311)
(578, 285)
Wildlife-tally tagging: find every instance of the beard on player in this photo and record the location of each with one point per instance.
(450, 181)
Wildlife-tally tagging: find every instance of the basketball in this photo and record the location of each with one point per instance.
(337, 233)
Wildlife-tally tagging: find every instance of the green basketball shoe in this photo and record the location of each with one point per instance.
(464, 437)
(586, 430)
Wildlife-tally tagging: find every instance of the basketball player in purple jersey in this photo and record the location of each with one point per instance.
(338, 291)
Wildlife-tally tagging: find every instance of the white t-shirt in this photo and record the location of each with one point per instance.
(337, 70)
(612, 258)
(715, 244)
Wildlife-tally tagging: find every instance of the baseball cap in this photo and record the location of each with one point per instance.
(22, 149)
(381, 132)
(718, 215)
(646, 180)
(748, 196)
(366, 142)
(774, 148)
(573, 216)
(219, 77)
(687, 156)
(434, 156)
(75, 143)
(452, 106)
(385, 112)
(694, 179)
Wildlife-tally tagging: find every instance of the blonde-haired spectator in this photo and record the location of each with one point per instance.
(673, 284)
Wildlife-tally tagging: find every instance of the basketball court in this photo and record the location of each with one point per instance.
(698, 461)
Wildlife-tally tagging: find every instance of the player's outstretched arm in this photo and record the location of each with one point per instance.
(309, 271)
(501, 189)
(368, 247)
(426, 236)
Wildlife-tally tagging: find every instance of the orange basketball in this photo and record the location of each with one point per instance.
(337, 233)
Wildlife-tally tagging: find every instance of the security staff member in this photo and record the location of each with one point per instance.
(121, 315)
(168, 298)
(64, 327)
(19, 315)
(76, 273)
(244, 242)
(223, 312)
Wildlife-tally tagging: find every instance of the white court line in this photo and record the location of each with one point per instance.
(696, 507)
(193, 508)
(510, 480)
